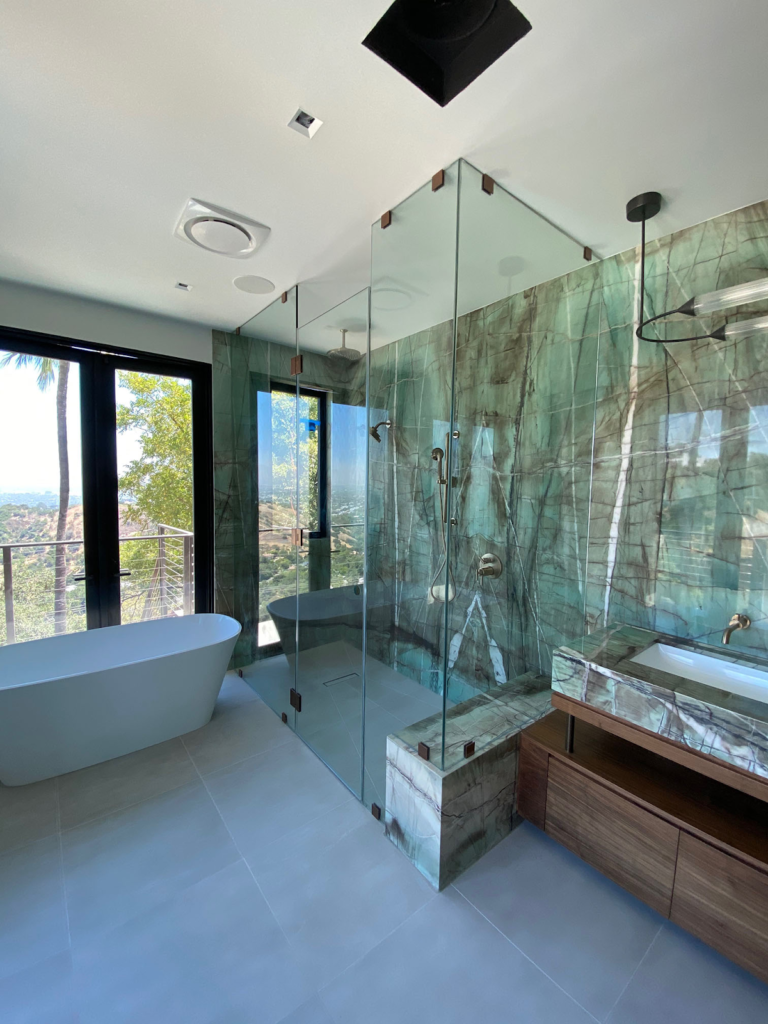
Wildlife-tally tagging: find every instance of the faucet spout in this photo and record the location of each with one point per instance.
(738, 621)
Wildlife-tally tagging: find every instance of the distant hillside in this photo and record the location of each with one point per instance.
(24, 522)
(33, 498)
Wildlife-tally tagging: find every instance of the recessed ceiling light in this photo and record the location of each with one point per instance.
(254, 285)
(183, 286)
(221, 231)
(304, 123)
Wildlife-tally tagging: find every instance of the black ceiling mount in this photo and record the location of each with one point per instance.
(643, 207)
(442, 46)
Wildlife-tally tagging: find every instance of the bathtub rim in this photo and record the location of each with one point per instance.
(134, 661)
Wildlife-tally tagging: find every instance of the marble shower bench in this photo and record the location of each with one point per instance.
(444, 813)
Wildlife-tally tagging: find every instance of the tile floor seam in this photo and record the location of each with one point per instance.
(64, 895)
(243, 859)
(233, 764)
(528, 958)
(640, 963)
(376, 945)
(29, 842)
(126, 807)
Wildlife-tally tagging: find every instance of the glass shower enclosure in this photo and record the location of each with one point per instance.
(390, 485)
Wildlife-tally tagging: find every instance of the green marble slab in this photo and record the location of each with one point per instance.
(598, 669)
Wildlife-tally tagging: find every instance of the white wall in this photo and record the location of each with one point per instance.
(37, 309)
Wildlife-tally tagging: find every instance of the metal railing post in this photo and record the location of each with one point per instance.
(161, 561)
(10, 625)
(188, 574)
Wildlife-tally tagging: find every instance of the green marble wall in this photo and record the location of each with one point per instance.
(617, 480)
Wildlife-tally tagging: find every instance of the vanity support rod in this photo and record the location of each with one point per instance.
(569, 726)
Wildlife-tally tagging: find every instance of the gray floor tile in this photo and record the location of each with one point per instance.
(313, 1012)
(112, 785)
(233, 735)
(125, 863)
(42, 994)
(682, 981)
(211, 955)
(234, 693)
(33, 920)
(447, 964)
(582, 930)
(337, 887)
(27, 813)
(272, 679)
(336, 746)
(265, 797)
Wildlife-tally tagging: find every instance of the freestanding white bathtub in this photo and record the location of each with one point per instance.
(70, 701)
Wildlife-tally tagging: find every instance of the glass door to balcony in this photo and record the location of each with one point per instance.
(155, 480)
(41, 503)
(104, 487)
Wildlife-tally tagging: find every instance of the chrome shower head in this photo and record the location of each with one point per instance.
(349, 355)
(374, 431)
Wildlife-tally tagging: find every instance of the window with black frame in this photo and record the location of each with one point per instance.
(106, 495)
(292, 446)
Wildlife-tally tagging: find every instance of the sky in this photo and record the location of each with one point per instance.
(28, 448)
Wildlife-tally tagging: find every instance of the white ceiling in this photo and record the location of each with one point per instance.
(113, 115)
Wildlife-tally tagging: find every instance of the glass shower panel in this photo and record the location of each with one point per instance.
(332, 447)
(409, 579)
(266, 548)
(518, 549)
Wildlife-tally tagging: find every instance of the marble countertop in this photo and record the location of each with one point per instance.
(598, 670)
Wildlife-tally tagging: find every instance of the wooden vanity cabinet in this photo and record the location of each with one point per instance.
(682, 843)
(633, 848)
(724, 902)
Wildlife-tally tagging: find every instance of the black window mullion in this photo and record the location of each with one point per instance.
(100, 504)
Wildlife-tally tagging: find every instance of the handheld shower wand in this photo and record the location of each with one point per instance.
(439, 591)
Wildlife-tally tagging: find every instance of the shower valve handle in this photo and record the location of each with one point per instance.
(490, 565)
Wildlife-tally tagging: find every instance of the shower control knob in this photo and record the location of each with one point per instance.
(490, 565)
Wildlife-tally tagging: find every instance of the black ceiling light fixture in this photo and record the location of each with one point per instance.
(642, 208)
(442, 46)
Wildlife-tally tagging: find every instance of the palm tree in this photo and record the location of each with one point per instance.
(49, 370)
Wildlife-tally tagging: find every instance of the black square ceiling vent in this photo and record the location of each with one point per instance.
(442, 46)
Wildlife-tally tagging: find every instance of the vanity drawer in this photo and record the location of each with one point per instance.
(630, 845)
(723, 901)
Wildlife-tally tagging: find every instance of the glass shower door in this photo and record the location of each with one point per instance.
(411, 584)
(331, 500)
(266, 550)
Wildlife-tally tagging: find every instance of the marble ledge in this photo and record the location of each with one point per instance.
(444, 820)
(597, 670)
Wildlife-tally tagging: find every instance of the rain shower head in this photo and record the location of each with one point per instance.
(374, 431)
(349, 355)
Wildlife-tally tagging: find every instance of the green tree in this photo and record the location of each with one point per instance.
(158, 485)
(48, 371)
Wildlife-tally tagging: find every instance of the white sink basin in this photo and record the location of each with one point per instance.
(703, 668)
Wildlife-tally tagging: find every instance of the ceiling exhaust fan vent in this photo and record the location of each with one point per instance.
(221, 231)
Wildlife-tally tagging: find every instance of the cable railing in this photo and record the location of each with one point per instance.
(156, 581)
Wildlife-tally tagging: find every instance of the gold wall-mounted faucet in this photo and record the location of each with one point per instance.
(738, 621)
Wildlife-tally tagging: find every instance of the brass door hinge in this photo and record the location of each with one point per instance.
(296, 700)
(297, 365)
